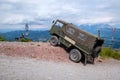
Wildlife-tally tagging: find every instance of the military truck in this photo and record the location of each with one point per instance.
(80, 44)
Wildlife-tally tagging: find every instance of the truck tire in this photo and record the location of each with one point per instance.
(54, 41)
(75, 55)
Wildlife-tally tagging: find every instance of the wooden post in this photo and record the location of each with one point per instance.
(98, 33)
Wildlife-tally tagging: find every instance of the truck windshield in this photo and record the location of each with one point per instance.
(58, 24)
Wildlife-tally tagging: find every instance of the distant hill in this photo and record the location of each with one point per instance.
(34, 35)
(105, 30)
(93, 28)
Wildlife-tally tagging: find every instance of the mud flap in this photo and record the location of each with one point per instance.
(90, 59)
(93, 61)
(85, 61)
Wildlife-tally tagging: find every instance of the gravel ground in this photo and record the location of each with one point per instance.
(41, 61)
(18, 68)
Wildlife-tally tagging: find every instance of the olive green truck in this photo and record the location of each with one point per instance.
(80, 44)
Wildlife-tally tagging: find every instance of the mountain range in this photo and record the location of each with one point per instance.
(33, 35)
(109, 34)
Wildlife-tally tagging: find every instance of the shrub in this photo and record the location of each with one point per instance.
(25, 40)
(2, 38)
(110, 53)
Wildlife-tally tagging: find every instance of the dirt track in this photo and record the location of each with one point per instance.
(16, 68)
(38, 50)
(49, 63)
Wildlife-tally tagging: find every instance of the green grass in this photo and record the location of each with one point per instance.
(2, 38)
(25, 40)
(110, 53)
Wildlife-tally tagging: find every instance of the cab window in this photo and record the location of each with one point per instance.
(58, 24)
(82, 36)
(70, 30)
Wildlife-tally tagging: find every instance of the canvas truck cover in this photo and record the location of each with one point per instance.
(81, 38)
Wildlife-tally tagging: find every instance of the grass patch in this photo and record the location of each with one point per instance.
(2, 38)
(110, 53)
(25, 40)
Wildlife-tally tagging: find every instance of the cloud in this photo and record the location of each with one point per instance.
(42, 12)
(96, 20)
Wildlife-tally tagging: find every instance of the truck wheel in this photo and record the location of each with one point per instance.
(75, 55)
(54, 41)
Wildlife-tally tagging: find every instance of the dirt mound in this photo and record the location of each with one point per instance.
(36, 50)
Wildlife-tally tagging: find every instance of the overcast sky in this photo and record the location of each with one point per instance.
(42, 12)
